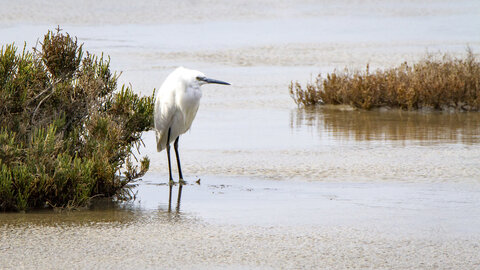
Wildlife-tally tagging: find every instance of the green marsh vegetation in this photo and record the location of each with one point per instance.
(67, 133)
(438, 83)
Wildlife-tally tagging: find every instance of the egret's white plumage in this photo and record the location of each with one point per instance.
(176, 105)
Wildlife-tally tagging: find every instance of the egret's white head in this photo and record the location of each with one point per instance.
(194, 77)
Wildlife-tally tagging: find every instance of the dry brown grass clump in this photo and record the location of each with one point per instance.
(442, 84)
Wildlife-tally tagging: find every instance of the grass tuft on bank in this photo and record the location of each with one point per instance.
(67, 134)
(438, 83)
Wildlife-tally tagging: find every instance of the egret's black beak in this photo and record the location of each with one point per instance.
(208, 80)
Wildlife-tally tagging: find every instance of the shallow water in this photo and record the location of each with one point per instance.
(389, 126)
(245, 223)
(281, 186)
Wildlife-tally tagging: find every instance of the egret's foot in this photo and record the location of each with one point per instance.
(171, 182)
(182, 182)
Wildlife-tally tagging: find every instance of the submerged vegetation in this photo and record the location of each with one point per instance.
(439, 84)
(67, 133)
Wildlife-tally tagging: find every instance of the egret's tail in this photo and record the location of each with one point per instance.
(159, 147)
(159, 142)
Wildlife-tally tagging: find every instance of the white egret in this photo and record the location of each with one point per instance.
(176, 105)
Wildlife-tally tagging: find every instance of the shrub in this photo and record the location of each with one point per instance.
(439, 84)
(67, 134)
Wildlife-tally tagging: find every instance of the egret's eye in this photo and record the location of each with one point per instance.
(200, 78)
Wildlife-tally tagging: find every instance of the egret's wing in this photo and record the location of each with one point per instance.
(163, 115)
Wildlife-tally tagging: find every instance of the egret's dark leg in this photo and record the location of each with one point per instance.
(168, 156)
(175, 146)
(170, 179)
(180, 181)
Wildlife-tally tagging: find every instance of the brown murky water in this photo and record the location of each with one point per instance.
(390, 126)
(281, 187)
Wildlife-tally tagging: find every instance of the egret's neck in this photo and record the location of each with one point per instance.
(194, 90)
(191, 97)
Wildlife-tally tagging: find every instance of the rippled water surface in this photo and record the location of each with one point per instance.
(280, 186)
